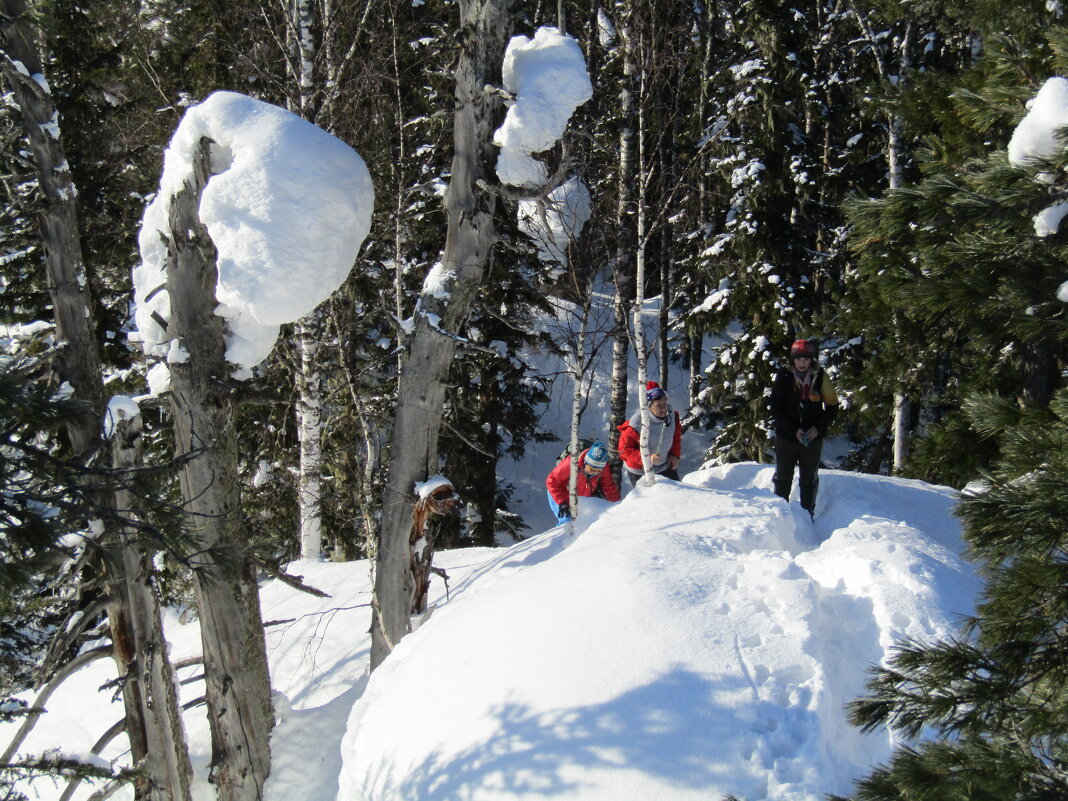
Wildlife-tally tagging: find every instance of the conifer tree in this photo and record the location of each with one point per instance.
(759, 282)
(992, 699)
(966, 300)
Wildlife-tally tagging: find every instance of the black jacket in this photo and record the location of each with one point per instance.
(790, 411)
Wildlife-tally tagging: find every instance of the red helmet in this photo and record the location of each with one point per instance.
(803, 347)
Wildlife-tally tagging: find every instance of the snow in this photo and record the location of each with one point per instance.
(1037, 137)
(287, 208)
(696, 639)
(548, 77)
(120, 407)
(424, 489)
(566, 210)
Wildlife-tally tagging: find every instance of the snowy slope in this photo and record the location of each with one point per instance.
(695, 639)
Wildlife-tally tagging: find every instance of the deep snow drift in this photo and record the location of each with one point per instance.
(698, 638)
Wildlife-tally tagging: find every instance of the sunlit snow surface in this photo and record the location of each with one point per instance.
(695, 640)
(698, 638)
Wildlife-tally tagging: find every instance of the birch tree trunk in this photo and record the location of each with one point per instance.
(706, 30)
(622, 264)
(485, 26)
(578, 369)
(309, 329)
(641, 354)
(619, 385)
(309, 427)
(895, 157)
(641, 350)
(235, 660)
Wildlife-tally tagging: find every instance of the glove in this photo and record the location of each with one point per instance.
(563, 513)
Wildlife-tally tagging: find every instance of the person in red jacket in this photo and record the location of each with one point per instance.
(593, 481)
(665, 437)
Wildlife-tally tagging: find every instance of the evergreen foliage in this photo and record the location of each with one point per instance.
(39, 504)
(993, 699)
(956, 293)
(764, 242)
(753, 123)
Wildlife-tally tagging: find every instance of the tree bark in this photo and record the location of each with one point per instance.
(237, 684)
(641, 353)
(623, 263)
(168, 772)
(309, 427)
(78, 362)
(578, 370)
(485, 26)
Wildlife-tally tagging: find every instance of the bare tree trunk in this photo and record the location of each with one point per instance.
(578, 370)
(668, 159)
(641, 354)
(622, 264)
(706, 24)
(168, 772)
(399, 208)
(309, 329)
(619, 385)
(309, 427)
(895, 157)
(235, 659)
(78, 361)
(486, 25)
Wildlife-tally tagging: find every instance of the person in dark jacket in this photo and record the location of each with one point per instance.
(665, 437)
(803, 406)
(593, 481)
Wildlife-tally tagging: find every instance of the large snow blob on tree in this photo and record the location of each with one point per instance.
(287, 207)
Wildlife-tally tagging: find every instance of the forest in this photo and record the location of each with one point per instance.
(827, 169)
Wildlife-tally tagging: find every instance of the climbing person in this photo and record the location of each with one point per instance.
(803, 406)
(665, 437)
(593, 481)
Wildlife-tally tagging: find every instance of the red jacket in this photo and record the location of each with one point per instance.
(585, 487)
(630, 442)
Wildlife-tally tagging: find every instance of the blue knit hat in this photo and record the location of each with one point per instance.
(597, 456)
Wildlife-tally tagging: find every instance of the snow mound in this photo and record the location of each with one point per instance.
(697, 639)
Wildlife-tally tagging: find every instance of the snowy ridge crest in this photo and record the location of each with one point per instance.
(699, 638)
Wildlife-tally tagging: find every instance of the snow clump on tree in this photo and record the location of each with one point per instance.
(547, 75)
(287, 207)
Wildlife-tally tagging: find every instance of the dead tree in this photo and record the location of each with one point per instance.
(167, 769)
(78, 361)
(432, 516)
(236, 678)
(485, 26)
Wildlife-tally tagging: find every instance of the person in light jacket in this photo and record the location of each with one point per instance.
(803, 406)
(593, 481)
(665, 437)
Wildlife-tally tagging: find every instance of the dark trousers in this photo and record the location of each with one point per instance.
(671, 473)
(790, 452)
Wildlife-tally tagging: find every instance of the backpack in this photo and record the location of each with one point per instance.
(583, 444)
